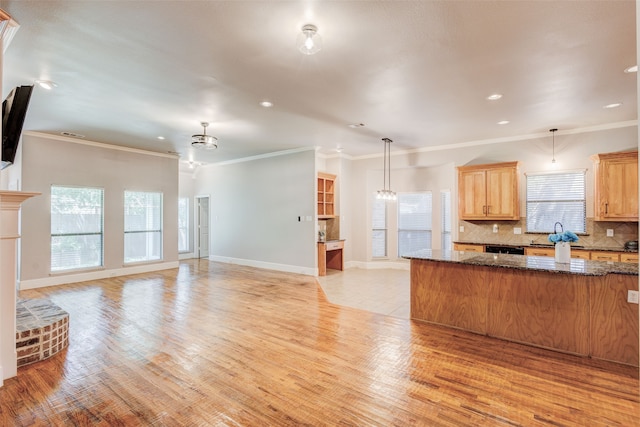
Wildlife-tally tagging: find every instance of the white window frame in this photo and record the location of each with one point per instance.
(183, 224)
(427, 227)
(150, 231)
(377, 228)
(541, 214)
(445, 214)
(81, 248)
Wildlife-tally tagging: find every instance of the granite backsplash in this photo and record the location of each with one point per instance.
(596, 235)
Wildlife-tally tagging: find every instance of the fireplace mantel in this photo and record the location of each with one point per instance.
(10, 202)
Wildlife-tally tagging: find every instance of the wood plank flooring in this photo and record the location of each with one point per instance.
(211, 344)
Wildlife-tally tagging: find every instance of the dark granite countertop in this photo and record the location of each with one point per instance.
(549, 245)
(523, 262)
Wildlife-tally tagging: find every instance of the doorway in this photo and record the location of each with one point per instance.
(202, 221)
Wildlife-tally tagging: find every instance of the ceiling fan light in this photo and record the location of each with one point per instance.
(208, 142)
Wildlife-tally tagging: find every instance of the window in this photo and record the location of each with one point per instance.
(379, 228)
(556, 197)
(76, 227)
(414, 222)
(183, 224)
(445, 212)
(142, 226)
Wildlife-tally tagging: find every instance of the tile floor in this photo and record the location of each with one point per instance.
(384, 291)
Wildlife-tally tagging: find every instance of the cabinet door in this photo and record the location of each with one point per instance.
(502, 190)
(539, 252)
(632, 257)
(619, 189)
(580, 254)
(468, 248)
(605, 256)
(472, 194)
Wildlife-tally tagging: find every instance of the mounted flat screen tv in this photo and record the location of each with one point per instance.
(14, 110)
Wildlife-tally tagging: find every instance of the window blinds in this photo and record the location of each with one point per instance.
(556, 197)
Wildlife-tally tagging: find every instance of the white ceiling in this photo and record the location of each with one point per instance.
(417, 72)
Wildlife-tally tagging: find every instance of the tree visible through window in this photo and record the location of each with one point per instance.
(142, 226)
(76, 227)
(556, 197)
(379, 228)
(414, 222)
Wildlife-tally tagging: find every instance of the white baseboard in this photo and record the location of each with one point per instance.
(188, 255)
(95, 275)
(267, 265)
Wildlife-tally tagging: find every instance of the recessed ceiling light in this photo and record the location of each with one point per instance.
(356, 125)
(503, 122)
(46, 84)
(161, 137)
(494, 96)
(632, 69)
(614, 105)
(266, 104)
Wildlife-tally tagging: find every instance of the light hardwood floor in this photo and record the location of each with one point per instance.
(211, 344)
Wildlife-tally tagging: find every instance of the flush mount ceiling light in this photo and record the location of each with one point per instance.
(46, 84)
(266, 104)
(494, 97)
(386, 193)
(309, 41)
(208, 142)
(553, 136)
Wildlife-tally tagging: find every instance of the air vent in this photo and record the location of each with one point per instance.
(71, 134)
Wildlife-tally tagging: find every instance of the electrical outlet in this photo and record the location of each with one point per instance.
(495, 228)
(462, 228)
(517, 230)
(609, 232)
(632, 297)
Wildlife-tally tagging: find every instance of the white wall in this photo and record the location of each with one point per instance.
(255, 205)
(435, 170)
(51, 160)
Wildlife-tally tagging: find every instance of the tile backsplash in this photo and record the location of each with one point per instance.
(596, 236)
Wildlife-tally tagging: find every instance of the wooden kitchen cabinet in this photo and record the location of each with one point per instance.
(488, 192)
(605, 256)
(467, 247)
(326, 195)
(580, 254)
(616, 186)
(629, 257)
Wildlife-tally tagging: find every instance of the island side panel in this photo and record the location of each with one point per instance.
(549, 310)
(614, 321)
(449, 294)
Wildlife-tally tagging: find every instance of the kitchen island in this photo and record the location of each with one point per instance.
(579, 308)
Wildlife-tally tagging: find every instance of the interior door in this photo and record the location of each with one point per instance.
(203, 227)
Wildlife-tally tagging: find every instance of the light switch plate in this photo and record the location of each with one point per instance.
(609, 232)
(462, 228)
(632, 297)
(517, 230)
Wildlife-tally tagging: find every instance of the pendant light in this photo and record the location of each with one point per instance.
(386, 193)
(208, 142)
(553, 136)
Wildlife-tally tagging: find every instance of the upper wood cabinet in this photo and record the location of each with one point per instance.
(326, 195)
(616, 186)
(488, 191)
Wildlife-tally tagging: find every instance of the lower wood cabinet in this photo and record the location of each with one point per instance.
(468, 247)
